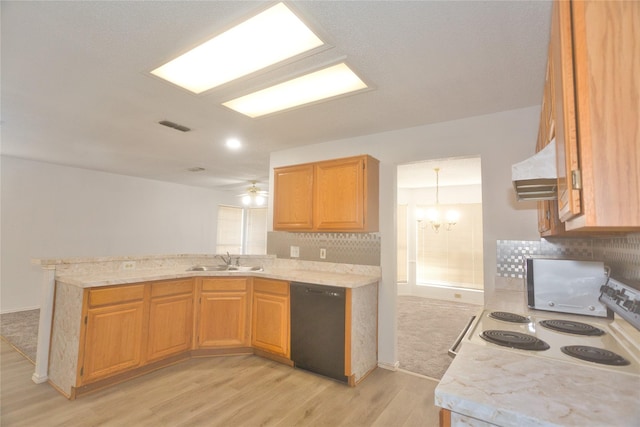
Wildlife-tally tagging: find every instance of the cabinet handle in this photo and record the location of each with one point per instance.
(576, 180)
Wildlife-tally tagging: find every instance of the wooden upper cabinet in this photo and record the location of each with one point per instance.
(548, 222)
(561, 58)
(595, 55)
(293, 199)
(342, 195)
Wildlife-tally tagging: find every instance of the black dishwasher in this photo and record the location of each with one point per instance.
(317, 329)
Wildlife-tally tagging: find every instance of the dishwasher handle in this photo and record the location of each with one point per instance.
(453, 351)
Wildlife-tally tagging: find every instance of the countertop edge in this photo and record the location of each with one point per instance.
(345, 280)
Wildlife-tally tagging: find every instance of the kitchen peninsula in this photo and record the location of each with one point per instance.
(158, 312)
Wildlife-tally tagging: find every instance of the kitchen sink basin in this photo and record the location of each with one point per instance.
(209, 268)
(231, 268)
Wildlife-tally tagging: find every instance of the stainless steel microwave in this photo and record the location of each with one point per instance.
(566, 286)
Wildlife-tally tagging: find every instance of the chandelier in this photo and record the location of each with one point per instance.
(434, 215)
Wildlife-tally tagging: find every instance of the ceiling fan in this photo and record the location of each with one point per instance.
(254, 196)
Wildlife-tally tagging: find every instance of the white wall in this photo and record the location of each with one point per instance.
(500, 140)
(51, 211)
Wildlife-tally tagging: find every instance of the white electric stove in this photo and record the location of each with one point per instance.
(594, 342)
(611, 343)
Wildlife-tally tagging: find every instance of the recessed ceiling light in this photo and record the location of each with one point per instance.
(269, 37)
(233, 143)
(323, 84)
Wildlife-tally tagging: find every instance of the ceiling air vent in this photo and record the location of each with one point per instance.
(175, 126)
(195, 169)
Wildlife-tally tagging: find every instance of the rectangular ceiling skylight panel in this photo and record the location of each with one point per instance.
(268, 38)
(326, 83)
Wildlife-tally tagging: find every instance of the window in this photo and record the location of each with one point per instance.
(241, 230)
(256, 231)
(229, 230)
(452, 257)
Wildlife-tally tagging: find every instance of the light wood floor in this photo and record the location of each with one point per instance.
(222, 391)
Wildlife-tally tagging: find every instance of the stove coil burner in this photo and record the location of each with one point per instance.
(516, 340)
(508, 317)
(594, 354)
(572, 327)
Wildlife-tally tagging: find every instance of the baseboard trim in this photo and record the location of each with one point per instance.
(17, 310)
(446, 293)
(39, 379)
(389, 366)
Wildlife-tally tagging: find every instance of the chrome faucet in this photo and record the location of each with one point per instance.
(226, 260)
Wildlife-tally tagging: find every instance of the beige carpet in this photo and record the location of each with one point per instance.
(426, 330)
(20, 329)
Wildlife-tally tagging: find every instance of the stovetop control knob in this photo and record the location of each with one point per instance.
(551, 303)
(591, 308)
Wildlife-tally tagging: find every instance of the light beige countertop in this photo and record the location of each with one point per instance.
(508, 388)
(329, 278)
(505, 388)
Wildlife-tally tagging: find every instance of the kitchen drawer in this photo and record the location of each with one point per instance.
(171, 287)
(277, 287)
(225, 284)
(115, 295)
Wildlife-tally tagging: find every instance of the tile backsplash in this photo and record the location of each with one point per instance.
(621, 254)
(343, 248)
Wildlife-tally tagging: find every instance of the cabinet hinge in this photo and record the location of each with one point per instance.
(82, 371)
(85, 320)
(576, 180)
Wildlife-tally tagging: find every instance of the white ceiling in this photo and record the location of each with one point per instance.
(76, 88)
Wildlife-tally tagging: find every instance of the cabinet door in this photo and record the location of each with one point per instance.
(293, 198)
(270, 316)
(113, 341)
(607, 65)
(170, 326)
(569, 204)
(270, 323)
(223, 319)
(339, 194)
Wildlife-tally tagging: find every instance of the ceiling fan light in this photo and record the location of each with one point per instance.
(246, 200)
(259, 200)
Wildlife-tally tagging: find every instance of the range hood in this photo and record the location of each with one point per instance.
(537, 177)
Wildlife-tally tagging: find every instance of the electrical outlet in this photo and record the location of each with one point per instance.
(323, 253)
(295, 251)
(129, 265)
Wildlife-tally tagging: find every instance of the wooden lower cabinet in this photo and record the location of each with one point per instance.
(131, 329)
(270, 330)
(170, 319)
(223, 308)
(113, 332)
(445, 417)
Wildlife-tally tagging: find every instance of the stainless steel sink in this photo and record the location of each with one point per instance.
(209, 268)
(233, 268)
